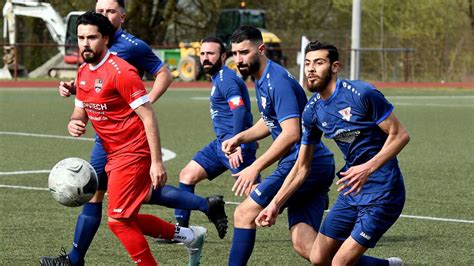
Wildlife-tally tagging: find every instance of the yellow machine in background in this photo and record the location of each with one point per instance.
(189, 67)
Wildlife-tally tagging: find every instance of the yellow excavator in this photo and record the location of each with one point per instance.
(189, 67)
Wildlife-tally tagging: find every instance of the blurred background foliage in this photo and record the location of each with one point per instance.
(439, 31)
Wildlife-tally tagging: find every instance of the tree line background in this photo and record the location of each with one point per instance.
(440, 32)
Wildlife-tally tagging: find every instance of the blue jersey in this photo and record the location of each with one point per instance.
(280, 97)
(351, 117)
(229, 104)
(136, 52)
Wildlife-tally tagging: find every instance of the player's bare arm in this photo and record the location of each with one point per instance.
(289, 135)
(77, 124)
(296, 177)
(258, 131)
(157, 169)
(66, 88)
(163, 79)
(397, 139)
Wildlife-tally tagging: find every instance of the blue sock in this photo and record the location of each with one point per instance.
(242, 246)
(372, 261)
(86, 226)
(172, 197)
(182, 216)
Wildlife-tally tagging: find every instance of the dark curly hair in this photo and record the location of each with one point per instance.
(103, 24)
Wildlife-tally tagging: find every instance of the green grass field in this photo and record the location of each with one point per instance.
(438, 166)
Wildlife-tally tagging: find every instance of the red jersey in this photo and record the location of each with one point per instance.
(109, 92)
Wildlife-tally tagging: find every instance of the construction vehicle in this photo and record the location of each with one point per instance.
(190, 69)
(56, 26)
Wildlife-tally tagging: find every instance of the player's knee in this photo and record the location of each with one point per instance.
(303, 249)
(188, 177)
(244, 215)
(316, 259)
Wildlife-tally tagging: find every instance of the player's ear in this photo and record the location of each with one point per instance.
(223, 57)
(122, 18)
(335, 67)
(261, 49)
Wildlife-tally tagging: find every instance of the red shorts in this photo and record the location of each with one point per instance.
(128, 186)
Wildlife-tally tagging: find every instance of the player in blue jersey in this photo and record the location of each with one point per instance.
(140, 55)
(280, 100)
(230, 114)
(363, 125)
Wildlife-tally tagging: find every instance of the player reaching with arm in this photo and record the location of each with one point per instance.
(230, 114)
(280, 100)
(362, 122)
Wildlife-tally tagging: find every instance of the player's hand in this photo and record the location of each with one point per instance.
(158, 175)
(67, 88)
(245, 179)
(355, 177)
(76, 128)
(229, 146)
(235, 159)
(267, 217)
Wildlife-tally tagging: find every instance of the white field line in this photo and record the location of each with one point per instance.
(167, 154)
(237, 203)
(404, 216)
(26, 172)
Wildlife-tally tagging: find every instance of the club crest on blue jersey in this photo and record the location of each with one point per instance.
(346, 113)
(98, 85)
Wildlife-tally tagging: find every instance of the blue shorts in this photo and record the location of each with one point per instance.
(214, 161)
(365, 217)
(98, 161)
(308, 203)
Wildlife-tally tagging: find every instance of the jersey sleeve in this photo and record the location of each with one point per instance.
(131, 88)
(378, 108)
(311, 133)
(144, 58)
(285, 100)
(233, 96)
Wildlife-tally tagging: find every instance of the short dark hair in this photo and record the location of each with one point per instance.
(215, 40)
(121, 3)
(103, 24)
(244, 33)
(317, 45)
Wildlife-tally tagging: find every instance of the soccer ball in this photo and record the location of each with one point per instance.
(72, 182)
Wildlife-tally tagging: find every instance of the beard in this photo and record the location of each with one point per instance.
(211, 69)
(322, 84)
(91, 57)
(249, 69)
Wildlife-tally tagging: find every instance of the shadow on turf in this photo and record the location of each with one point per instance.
(389, 240)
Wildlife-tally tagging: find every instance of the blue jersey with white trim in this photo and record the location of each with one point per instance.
(228, 93)
(280, 97)
(136, 52)
(351, 117)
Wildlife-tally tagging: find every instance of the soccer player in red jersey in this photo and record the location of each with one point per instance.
(112, 96)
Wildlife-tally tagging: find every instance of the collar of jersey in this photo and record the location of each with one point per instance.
(118, 33)
(267, 68)
(94, 68)
(333, 95)
(215, 75)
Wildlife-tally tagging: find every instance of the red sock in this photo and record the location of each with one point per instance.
(134, 242)
(155, 227)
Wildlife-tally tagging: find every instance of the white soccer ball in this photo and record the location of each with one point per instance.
(72, 182)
